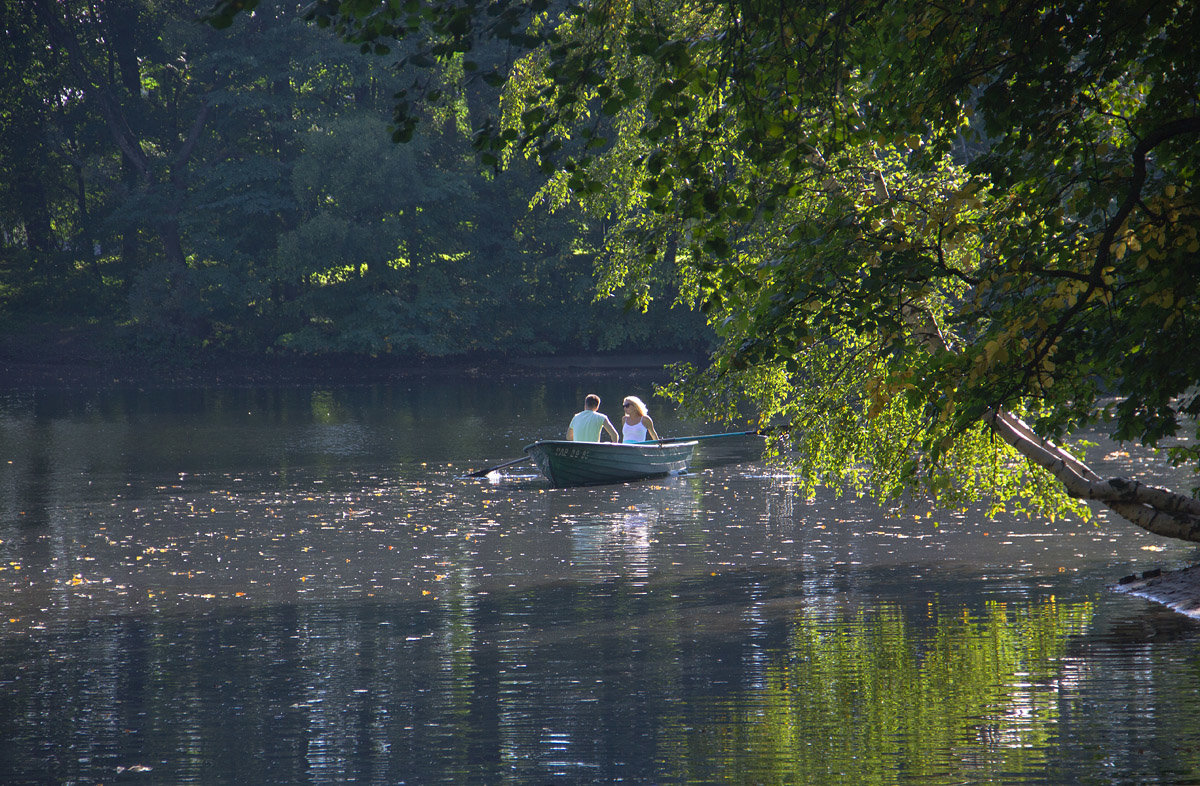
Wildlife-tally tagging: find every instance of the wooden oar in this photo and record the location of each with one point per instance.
(707, 436)
(479, 473)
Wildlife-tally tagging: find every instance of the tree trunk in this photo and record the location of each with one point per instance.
(35, 213)
(140, 171)
(1157, 510)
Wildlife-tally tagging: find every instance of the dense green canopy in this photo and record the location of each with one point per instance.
(916, 226)
(184, 192)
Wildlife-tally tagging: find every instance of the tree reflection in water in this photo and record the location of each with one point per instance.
(870, 698)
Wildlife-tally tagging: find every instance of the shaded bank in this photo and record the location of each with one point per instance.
(49, 356)
(1178, 590)
(70, 365)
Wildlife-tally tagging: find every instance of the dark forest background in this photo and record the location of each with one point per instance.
(174, 193)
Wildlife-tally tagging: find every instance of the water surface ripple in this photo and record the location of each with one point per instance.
(298, 585)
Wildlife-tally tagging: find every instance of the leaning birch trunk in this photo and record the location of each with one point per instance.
(1157, 510)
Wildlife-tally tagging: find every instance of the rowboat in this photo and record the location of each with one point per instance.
(566, 463)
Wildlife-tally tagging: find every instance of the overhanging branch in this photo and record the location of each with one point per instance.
(1157, 510)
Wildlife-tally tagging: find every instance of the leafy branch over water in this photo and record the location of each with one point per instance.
(969, 223)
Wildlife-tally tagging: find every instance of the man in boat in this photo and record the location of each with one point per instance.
(586, 425)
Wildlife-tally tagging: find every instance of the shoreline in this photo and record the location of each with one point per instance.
(37, 355)
(1178, 590)
(73, 373)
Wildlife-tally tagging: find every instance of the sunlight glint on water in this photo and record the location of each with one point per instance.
(300, 586)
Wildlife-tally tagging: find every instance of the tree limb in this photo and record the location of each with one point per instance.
(1157, 510)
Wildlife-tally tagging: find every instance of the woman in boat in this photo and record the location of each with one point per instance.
(636, 426)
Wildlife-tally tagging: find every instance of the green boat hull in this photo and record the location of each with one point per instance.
(590, 463)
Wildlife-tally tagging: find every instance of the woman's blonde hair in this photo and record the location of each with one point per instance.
(637, 404)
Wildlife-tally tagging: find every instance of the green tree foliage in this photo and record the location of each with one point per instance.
(38, 161)
(916, 226)
(210, 190)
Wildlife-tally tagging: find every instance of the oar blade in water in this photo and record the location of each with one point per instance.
(481, 473)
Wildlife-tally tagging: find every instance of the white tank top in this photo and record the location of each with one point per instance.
(634, 433)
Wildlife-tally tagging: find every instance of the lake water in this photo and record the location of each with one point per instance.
(298, 585)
